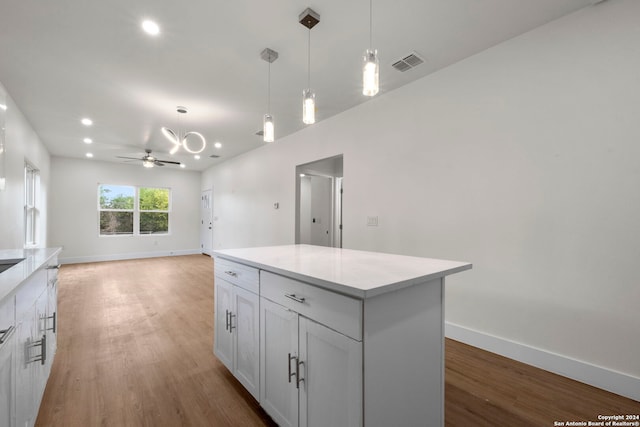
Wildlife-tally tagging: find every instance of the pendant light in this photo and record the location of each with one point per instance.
(267, 124)
(371, 66)
(309, 19)
(181, 140)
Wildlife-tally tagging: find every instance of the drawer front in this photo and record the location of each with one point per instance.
(239, 274)
(7, 315)
(338, 312)
(29, 292)
(52, 270)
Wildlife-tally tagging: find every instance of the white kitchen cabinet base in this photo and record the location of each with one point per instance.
(362, 332)
(404, 362)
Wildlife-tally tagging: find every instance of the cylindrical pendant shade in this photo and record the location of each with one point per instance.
(370, 73)
(308, 107)
(267, 128)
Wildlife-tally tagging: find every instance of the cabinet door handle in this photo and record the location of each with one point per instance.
(231, 273)
(295, 298)
(43, 350)
(231, 327)
(226, 318)
(6, 333)
(54, 323)
(53, 267)
(291, 374)
(298, 379)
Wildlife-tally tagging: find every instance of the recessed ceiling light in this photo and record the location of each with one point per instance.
(218, 145)
(302, 175)
(88, 140)
(182, 165)
(89, 155)
(3, 107)
(150, 27)
(197, 157)
(87, 122)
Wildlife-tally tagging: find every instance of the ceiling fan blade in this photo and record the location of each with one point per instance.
(157, 163)
(130, 158)
(171, 162)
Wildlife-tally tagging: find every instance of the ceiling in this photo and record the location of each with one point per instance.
(68, 59)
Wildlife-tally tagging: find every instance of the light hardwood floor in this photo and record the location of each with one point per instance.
(135, 349)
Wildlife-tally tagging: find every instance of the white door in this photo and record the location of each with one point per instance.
(222, 339)
(7, 376)
(246, 340)
(278, 352)
(331, 393)
(206, 222)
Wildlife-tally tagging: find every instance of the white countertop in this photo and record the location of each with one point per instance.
(357, 273)
(13, 277)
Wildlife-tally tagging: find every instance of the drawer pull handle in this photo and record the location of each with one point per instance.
(226, 318)
(6, 333)
(53, 267)
(295, 298)
(231, 273)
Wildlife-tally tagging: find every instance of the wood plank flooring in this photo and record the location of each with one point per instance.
(135, 349)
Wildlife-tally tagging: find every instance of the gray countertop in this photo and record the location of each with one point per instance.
(357, 273)
(34, 259)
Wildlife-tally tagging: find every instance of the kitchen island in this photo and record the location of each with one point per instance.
(327, 336)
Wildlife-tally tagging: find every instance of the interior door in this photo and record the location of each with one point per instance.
(206, 222)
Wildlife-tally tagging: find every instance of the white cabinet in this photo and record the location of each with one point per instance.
(331, 377)
(236, 339)
(347, 338)
(7, 363)
(278, 346)
(311, 375)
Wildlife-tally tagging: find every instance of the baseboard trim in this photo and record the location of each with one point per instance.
(132, 255)
(597, 376)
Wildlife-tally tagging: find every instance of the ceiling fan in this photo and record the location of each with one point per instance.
(149, 161)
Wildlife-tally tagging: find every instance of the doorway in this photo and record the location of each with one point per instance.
(319, 194)
(206, 222)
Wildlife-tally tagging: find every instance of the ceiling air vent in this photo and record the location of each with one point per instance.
(408, 62)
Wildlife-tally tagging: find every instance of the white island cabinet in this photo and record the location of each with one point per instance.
(346, 338)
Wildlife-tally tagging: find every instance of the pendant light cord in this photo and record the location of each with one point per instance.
(370, 24)
(269, 89)
(309, 62)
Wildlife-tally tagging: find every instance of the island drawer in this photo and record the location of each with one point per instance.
(338, 312)
(239, 274)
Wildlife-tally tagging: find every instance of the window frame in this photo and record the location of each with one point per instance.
(136, 211)
(31, 205)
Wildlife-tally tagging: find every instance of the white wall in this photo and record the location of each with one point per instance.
(21, 144)
(523, 160)
(74, 215)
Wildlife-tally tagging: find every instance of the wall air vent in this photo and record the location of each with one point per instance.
(408, 62)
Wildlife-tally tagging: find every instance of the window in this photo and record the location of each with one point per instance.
(31, 212)
(129, 210)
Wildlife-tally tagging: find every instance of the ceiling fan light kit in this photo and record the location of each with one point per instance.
(149, 161)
